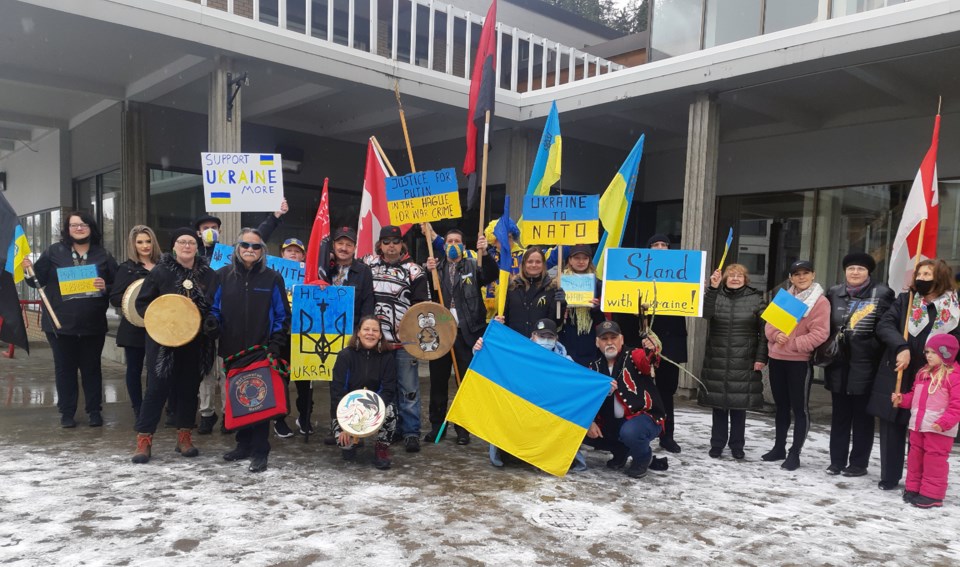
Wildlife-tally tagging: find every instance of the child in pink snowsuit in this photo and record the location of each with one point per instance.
(934, 406)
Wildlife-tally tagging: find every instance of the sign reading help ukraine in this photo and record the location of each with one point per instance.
(242, 182)
(321, 327)
(669, 281)
(784, 312)
(579, 288)
(425, 196)
(291, 272)
(77, 282)
(560, 219)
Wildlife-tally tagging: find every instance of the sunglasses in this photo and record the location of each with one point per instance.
(254, 245)
(392, 241)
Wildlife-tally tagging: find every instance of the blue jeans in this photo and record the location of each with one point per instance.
(408, 393)
(135, 356)
(636, 434)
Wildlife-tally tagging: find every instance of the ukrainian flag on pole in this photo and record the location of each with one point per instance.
(615, 203)
(784, 312)
(19, 249)
(546, 167)
(502, 232)
(527, 400)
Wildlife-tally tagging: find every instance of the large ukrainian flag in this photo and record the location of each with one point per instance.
(784, 312)
(528, 401)
(615, 203)
(546, 166)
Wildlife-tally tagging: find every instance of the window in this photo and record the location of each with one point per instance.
(675, 27)
(780, 14)
(101, 196)
(731, 20)
(847, 7)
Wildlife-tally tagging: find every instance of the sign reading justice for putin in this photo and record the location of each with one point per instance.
(425, 196)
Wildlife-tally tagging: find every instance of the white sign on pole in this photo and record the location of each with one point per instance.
(242, 182)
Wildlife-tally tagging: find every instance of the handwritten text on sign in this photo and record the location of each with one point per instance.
(580, 289)
(77, 282)
(242, 182)
(669, 281)
(291, 272)
(560, 219)
(320, 327)
(425, 196)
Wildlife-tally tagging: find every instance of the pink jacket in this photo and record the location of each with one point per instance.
(941, 407)
(811, 332)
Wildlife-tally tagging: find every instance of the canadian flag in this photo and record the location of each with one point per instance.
(909, 246)
(374, 214)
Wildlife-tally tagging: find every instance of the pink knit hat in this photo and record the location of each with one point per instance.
(946, 346)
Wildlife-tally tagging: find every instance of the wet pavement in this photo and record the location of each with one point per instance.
(72, 497)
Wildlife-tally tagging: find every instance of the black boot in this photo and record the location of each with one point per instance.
(206, 424)
(258, 464)
(792, 462)
(778, 453)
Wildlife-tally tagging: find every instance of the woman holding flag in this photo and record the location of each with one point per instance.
(932, 305)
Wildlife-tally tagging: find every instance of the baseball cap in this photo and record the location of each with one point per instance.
(801, 265)
(345, 232)
(545, 326)
(390, 231)
(608, 327)
(579, 249)
(293, 242)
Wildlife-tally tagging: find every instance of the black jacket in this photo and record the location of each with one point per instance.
(252, 309)
(672, 332)
(358, 369)
(466, 293)
(81, 316)
(360, 278)
(890, 332)
(168, 277)
(128, 335)
(636, 390)
(734, 343)
(853, 371)
(526, 306)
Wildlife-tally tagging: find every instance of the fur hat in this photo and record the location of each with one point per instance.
(859, 259)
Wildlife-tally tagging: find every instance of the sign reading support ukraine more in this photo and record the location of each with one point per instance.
(321, 326)
(77, 282)
(560, 219)
(425, 196)
(668, 281)
(291, 272)
(242, 182)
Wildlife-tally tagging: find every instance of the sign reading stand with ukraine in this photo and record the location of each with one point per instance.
(669, 281)
(425, 196)
(529, 401)
(784, 312)
(242, 182)
(321, 326)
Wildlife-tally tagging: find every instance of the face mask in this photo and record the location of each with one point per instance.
(610, 352)
(923, 286)
(81, 240)
(545, 342)
(210, 237)
(454, 251)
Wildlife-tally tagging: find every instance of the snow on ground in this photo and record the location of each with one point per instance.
(74, 498)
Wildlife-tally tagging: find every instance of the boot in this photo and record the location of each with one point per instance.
(206, 424)
(237, 454)
(778, 453)
(144, 441)
(258, 464)
(381, 458)
(793, 461)
(185, 444)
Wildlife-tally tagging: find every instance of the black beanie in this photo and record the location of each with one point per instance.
(658, 238)
(859, 259)
(184, 231)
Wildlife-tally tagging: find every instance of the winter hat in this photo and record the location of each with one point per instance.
(183, 231)
(859, 259)
(945, 345)
(658, 238)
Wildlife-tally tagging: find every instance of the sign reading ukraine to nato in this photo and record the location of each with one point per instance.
(242, 182)
(668, 281)
(77, 282)
(321, 325)
(425, 196)
(560, 219)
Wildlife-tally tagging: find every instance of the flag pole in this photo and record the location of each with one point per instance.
(906, 319)
(43, 296)
(483, 176)
(403, 123)
(383, 156)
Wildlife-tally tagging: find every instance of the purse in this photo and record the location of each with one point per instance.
(831, 350)
(254, 393)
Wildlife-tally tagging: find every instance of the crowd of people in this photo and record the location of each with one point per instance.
(887, 359)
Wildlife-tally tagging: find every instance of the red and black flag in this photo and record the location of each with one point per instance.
(483, 84)
(13, 249)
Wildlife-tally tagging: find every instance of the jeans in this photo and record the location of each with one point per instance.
(408, 394)
(636, 434)
(134, 356)
(72, 354)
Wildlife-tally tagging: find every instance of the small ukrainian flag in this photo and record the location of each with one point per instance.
(266, 159)
(784, 312)
(219, 198)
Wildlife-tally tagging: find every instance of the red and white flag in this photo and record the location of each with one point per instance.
(922, 205)
(373, 203)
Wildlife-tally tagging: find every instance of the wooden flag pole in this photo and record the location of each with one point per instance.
(906, 319)
(43, 296)
(403, 123)
(483, 177)
(383, 156)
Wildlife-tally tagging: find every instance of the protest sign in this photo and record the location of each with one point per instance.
(320, 327)
(77, 282)
(425, 196)
(560, 219)
(669, 281)
(291, 272)
(242, 182)
(580, 289)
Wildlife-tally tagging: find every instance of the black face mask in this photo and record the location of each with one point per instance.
(923, 287)
(81, 240)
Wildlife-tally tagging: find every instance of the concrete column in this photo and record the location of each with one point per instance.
(521, 153)
(136, 185)
(699, 207)
(223, 135)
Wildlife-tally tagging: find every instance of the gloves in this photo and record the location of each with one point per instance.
(211, 327)
(560, 296)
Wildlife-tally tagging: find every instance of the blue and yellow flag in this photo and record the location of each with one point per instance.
(527, 400)
(19, 249)
(546, 167)
(615, 203)
(502, 231)
(784, 312)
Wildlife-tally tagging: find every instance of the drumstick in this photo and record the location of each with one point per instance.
(43, 296)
